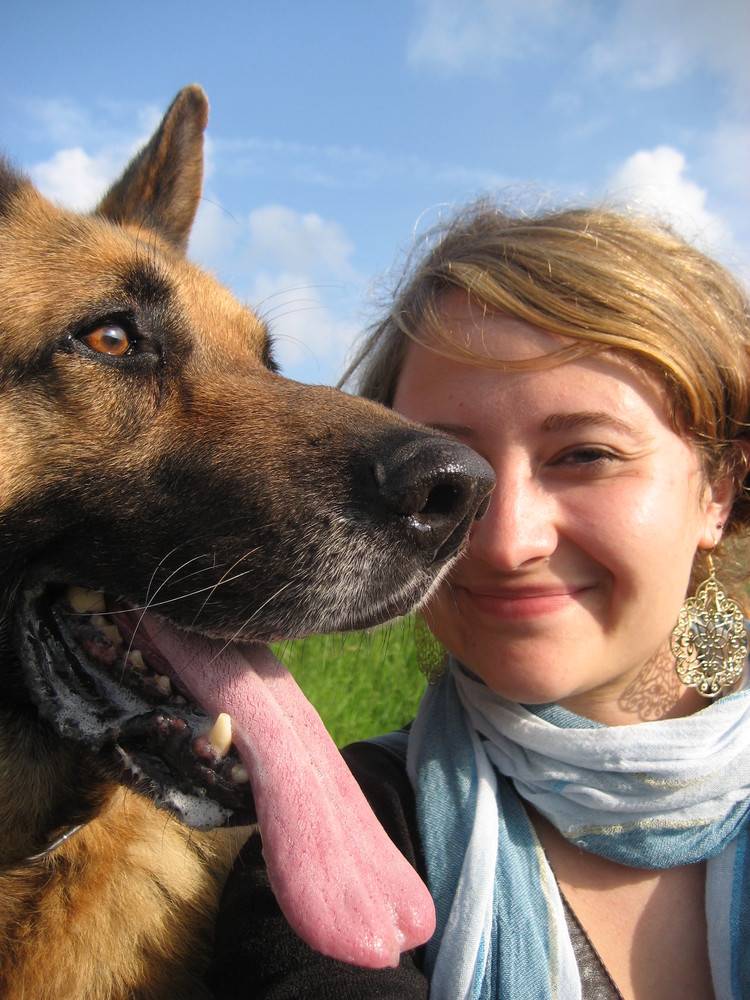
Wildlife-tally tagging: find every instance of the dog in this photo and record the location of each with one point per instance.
(169, 504)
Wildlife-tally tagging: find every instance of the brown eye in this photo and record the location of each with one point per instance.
(108, 339)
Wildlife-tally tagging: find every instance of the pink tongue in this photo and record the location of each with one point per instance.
(341, 883)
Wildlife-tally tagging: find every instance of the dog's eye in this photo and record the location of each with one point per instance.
(108, 339)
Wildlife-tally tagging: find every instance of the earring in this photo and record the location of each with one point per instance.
(432, 656)
(710, 641)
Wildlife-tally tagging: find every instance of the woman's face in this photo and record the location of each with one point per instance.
(574, 579)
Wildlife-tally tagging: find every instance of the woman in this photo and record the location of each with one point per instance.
(579, 812)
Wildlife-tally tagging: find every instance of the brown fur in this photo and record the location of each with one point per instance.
(190, 476)
(125, 909)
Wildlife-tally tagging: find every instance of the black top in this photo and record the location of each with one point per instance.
(258, 955)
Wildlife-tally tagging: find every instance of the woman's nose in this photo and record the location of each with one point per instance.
(519, 526)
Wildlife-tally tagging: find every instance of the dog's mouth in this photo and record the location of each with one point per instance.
(100, 679)
(219, 732)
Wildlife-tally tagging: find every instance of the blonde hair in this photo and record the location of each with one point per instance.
(604, 280)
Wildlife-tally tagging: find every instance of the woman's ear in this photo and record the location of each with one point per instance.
(721, 494)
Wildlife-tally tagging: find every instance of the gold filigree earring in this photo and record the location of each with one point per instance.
(710, 641)
(432, 656)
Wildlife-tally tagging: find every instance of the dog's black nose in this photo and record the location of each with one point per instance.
(438, 486)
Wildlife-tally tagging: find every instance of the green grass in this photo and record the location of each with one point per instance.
(361, 683)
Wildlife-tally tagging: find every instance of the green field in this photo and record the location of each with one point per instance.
(361, 683)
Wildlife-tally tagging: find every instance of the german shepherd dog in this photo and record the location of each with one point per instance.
(168, 504)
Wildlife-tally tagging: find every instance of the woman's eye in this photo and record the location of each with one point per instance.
(586, 456)
(108, 339)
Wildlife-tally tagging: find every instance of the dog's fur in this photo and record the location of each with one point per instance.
(186, 474)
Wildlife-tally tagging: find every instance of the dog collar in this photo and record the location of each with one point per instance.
(46, 851)
(58, 842)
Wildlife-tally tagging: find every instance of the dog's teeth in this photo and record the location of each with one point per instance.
(135, 659)
(239, 775)
(220, 736)
(86, 601)
(107, 628)
(164, 684)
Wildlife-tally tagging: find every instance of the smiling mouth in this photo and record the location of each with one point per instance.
(523, 603)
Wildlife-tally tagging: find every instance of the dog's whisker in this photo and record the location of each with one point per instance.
(158, 567)
(286, 293)
(192, 593)
(224, 579)
(145, 609)
(149, 602)
(243, 627)
(257, 611)
(175, 573)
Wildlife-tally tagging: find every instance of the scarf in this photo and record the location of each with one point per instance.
(653, 795)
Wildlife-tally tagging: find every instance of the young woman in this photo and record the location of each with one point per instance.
(576, 786)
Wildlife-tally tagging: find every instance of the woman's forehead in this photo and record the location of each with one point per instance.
(606, 382)
(467, 329)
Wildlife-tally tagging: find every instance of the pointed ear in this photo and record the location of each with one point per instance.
(161, 187)
(11, 185)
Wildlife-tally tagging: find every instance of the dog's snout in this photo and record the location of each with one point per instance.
(438, 486)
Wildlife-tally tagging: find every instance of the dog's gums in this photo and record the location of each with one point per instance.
(110, 676)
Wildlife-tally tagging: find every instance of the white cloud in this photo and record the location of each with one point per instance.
(73, 178)
(727, 158)
(60, 120)
(215, 235)
(657, 44)
(310, 340)
(657, 181)
(301, 242)
(295, 269)
(343, 168)
(642, 43)
(304, 286)
(471, 35)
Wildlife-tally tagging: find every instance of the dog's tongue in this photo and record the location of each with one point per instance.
(341, 883)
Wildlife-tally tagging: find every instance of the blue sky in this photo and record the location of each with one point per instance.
(341, 130)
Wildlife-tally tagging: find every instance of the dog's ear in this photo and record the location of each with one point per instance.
(161, 187)
(11, 184)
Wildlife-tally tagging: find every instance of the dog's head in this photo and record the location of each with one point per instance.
(167, 496)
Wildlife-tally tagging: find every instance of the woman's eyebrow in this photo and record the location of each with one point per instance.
(584, 418)
(554, 422)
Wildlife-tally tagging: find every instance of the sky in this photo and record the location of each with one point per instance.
(340, 131)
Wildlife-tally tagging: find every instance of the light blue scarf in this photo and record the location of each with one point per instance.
(654, 795)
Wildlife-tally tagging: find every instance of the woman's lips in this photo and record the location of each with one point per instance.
(522, 602)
